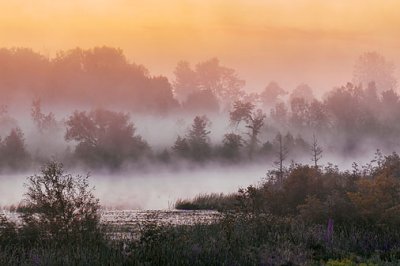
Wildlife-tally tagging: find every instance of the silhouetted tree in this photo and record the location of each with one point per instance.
(252, 97)
(60, 206)
(104, 75)
(198, 138)
(390, 98)
(232, 144)
(201, 101)
(43, 122)
(222, 81)
(300, 113)
(289, 141)
(373, 67)
(390, 104)
(316, 152)
(271, 94)
(318, 116)
(241, 112)
(181, 147)
(7, 123)
(279, 114)
(13, 150)
(254, 121)
(23, 72)
(303, 91)
(185, 82)
(301, 145)
(105, 137)
(164, 156)
(157, 96)
(255, 124)
(282, 152)
(343, 103)
(267, 149)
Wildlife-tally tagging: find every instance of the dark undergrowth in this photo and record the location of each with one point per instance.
(237, 239)
(302, 216)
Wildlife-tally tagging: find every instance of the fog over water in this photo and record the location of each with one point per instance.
(155, 189)
(159, 188)
(150, 140)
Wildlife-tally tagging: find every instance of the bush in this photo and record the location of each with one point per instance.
(59, 205)
(8, 231)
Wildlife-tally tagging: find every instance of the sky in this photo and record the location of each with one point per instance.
(289, 41)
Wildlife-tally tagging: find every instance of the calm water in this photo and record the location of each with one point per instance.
(156, 189)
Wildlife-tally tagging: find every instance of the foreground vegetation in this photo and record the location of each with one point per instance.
(300, 216)
(330, 214)
(242, 240)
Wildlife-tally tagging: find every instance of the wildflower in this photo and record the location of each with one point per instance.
(329, 230)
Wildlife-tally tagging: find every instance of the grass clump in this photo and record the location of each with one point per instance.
(213, 201)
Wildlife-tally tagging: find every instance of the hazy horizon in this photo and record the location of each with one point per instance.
(287, 41)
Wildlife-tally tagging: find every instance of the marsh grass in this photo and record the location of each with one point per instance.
(212, 201)
(315, 217)
(235, 239)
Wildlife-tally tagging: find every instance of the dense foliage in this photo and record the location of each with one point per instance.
(367, 195)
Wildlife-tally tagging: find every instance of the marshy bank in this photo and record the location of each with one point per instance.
(301, 215)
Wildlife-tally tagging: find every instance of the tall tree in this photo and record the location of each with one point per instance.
(181, 147)
(13, 150)
(242, 111)
(271, 94)
(43, 121)
(282, 152)
(253, 119)
(185, 81)
(373, 67)
(232, 144)
(318, 116)
(302, 91)
(224, 82)
(279, 114)
(316, 152)
(300, 112)
(256, 122)
(105, 137)
(198, 138)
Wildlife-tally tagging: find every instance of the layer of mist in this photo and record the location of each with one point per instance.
(152, 190)
(149, 140)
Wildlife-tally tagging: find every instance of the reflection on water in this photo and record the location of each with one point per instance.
(170, 217)
(127, 224)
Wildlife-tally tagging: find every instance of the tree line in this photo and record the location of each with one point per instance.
(273, 123)
(106, 138)
(103, 76)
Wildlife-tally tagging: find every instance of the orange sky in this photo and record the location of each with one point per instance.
(289, 41)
